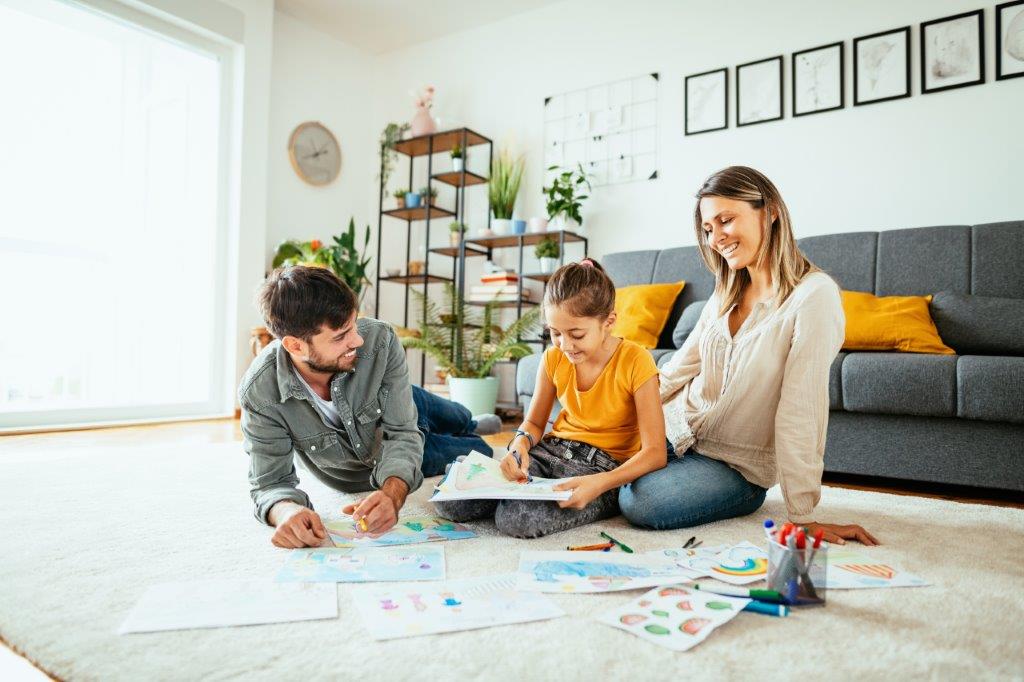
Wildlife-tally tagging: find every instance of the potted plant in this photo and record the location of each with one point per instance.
(506, 176)
(455, 230)
(428, 194)
(564, 199)
(342, 257)
(458, 158)
(413, 199)
(399, 195)
(391, 134)
(547, 253)
(468, 346)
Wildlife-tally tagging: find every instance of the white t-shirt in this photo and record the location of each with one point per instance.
(326, 407)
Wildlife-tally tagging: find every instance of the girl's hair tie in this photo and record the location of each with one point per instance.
(587, 263)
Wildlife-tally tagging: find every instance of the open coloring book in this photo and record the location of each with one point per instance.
(409, 530)
(362, 565)
(479, 477)
(409, 610)
(568, 571)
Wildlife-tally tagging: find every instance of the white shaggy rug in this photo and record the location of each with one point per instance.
(83, 535)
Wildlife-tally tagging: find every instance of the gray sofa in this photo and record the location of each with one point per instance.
(952, 419)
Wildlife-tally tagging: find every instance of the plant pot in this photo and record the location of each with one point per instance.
(401, 201)
(458, 164)
(518, 227)
(454, 238)
(560, 222)
(501, 226)
(548, 265)
(537, 225)
(415, 267)
(479, 396)
(412, 200)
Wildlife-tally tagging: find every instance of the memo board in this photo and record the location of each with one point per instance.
(611, 129)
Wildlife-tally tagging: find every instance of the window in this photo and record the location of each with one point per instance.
(112, 224)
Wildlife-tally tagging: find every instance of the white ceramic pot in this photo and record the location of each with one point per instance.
(548, 265)
(454, 238)
(560, 222)
(537, 225)
(479, 396)
(457, 165)
(501, 226)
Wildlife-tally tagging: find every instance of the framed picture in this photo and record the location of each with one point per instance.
(1010, 40)
(818, 82)
(759, 91)
(953, 52)
(881, 66)
(707, 102)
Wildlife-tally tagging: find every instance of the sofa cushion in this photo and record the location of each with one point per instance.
(662, 355)
(848, 258)
(922, 260)
(995, 259)
(980, 324)
(900, 323)
(900, 383)
(526, 374)
(642, 311)
(835, 382)
(630, 267)
(990, 388)
(687, 321)
(682, 263)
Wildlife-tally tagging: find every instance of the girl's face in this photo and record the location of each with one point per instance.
(580, 338)
(733, 229)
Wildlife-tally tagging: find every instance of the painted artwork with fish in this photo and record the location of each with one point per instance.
(346, 565)
(409, 530)
(567, 571)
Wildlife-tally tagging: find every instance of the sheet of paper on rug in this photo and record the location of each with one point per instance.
(568, 571)
(850, 569)
(466, 604)
(409, 530)
(361, 565)
(682, 556)
(675, 617)
(479, 477)
(226, 603)
(739, 564)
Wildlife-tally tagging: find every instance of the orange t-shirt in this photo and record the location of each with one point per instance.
(605, 415)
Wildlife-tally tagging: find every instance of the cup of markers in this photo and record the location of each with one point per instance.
(797, 564)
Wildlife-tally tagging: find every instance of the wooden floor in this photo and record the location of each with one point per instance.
(13, 667)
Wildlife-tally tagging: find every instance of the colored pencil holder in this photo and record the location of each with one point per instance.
(799, 575)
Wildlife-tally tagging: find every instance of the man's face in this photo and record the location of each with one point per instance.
(334, 350)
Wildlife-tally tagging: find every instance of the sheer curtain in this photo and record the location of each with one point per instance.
(112, 237)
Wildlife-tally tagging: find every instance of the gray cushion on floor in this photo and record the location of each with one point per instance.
(900, 383)
(848, 258)
(924, 260)
(687, 321)
(835, 383)
(990, 388)
(995, 259)
(985, 325)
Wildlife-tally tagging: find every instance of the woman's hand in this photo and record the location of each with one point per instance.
(839, 534)
(516, 469)
(585, 489)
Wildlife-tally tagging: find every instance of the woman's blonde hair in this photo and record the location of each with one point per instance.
(788, 265)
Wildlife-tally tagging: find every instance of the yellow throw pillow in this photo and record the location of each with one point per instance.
(643, 310)
(900, 323)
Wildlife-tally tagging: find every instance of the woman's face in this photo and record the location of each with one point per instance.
(733, 229)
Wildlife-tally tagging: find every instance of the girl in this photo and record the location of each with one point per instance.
(610, 430)
(746, 397)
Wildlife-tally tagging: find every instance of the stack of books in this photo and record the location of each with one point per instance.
(498, 287)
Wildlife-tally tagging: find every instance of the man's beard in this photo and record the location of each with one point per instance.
(318, 363)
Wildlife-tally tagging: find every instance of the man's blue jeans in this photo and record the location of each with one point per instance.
(447, 429)
(689, 491)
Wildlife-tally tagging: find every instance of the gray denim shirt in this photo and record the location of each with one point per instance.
(378, 439)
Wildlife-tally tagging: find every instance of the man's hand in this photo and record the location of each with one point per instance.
(838, 534)
(380, 509)
(296, 526)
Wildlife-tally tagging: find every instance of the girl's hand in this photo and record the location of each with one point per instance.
(585, 489)
(518, 471)
(839, 534)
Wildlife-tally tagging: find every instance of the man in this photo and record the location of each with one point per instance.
(334, 392)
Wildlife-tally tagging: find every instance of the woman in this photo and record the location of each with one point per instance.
(746, 397)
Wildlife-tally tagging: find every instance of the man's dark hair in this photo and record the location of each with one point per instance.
(298, 300)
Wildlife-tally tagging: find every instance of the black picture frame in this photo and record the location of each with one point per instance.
(1000, 76)
(782, 99)
(855, 56)
(923, 47)
(842, 77)
(686, 104)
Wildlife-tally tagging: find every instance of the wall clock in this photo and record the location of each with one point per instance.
(314, 153)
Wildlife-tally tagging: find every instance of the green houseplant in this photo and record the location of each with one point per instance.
(547, 252)
(342, 257)
(391, 134)
(399, 195)
(506, 177)
(565, 198)
(466, 343)
(428, 194)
